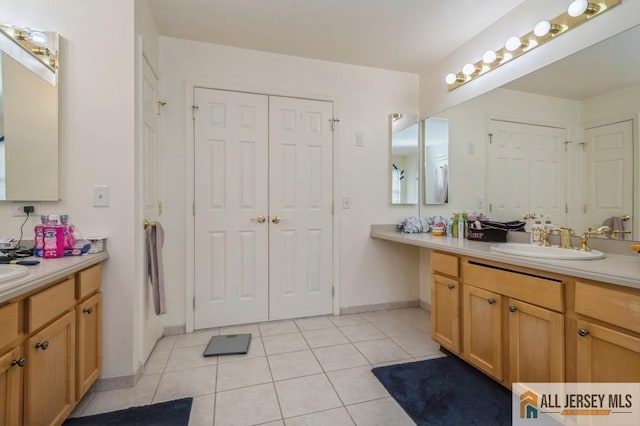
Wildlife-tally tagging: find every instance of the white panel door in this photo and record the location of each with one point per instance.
(609, 173)
(231, 194)
(525, 171)
(300, 241)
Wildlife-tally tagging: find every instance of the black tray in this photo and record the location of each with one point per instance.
(493, 231)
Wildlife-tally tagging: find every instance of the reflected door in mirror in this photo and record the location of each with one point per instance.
(404, 158)
(436, 160)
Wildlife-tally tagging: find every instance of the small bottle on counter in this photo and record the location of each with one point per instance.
(537, 231)
(461, 226)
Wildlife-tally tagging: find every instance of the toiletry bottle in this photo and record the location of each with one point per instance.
(537, 230)
(456, 215)
(461, 226)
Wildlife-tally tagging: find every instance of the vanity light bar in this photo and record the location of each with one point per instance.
(34, 42)
(543, 32)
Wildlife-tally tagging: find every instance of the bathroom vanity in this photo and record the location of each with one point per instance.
(50, 339)
(523, 319)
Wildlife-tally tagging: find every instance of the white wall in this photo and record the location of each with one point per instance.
(370, 271)
(96, 145)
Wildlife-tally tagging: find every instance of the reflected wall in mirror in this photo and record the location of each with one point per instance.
(28, 124)
(404, 158)
(436, 160)
(560, 142)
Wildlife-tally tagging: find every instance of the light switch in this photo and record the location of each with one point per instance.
(100, 195)
(359, 139)
(346, 203)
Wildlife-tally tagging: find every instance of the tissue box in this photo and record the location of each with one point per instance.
(98, 244)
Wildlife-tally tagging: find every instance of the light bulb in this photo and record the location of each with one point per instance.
(451, 78)
(514, 43)
(39, 38)
(469, 69)
(542, 28)
(489, 57)
(577, 7)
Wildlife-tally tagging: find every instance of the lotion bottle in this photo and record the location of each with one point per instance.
(537, 230)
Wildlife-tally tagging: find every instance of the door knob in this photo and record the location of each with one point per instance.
(259, 219)
(277, 219)
(583, 332)
(44, 345)
(491, 301)
(513, 308)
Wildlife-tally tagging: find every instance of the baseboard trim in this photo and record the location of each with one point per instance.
(425, 305)
(379, 307)
(170, 330)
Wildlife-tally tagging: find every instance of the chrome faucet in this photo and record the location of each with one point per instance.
(565, 235)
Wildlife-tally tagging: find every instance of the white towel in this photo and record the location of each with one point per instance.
(155, 241)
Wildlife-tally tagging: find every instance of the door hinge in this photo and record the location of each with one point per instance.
(159, 208)
(194, 109)
(566, 145)
(333, 291)
(333, 208)
(566, 208)
(490, 207)
(490, 137)
(159, 106)
(584, 208)
(584, 146)
(333, 122)
(194, 208)
(194, 303)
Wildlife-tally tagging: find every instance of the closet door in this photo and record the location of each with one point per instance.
(300, 178)
(231, 207)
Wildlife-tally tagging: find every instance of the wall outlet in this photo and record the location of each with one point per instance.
(346, 202)
(18, 209)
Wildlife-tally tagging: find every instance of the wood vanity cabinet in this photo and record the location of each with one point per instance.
(607, 333)
(445, 296)
(513, 323)
(50, 349)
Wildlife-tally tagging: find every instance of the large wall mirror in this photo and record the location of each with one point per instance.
(436, 160)
(560, 142)
(404, 168)
(28, 115)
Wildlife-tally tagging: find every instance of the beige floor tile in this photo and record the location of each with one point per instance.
(284, 343)
(232, 375)
(112, 400)
(185, 383)
(305, 395)
(165, 343)
(256, 350)
(324, 337)
(381, 412)
(293, 364)
(277, 327)
(156, 362)
(361, 332)
(417, 345)
(190, 357)
(202, 410)
(344, 320)
(334, 417)
(247, 406)
(197, 338)
(377, 316)
(382, 350)
(276, 423)
(241, 329)
(396, 362)
(357, 385)
(394, 328)
(339, 357)
(314, 323)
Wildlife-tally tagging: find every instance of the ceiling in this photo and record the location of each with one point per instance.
(402, 35)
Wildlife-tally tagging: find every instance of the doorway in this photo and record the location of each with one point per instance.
(263, 207)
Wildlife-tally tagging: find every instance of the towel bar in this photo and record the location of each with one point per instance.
(148, 224)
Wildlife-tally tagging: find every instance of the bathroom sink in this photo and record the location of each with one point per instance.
(9, 272)
(554, 252)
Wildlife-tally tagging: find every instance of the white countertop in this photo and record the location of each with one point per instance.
(47, 271)
(614, 268)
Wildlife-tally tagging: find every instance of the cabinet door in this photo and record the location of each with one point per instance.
(11, 365)
(605, 355)
(445, 312)
(49, 396)
(536, 343)
(89, 343)
(482, 313)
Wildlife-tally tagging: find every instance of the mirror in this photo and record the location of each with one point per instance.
(28, 115)
(404, 158)
(436, 160)
(561, 141)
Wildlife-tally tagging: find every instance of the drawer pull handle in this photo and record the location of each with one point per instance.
(44, 345)
(451, 286)
(19, 362)
(583, 332)
(87, 310)
(513, 308)
(491, 301)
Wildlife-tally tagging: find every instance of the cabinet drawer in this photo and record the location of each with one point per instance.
(8, 323)
(525, 286)
(89, 281)
(615, 306)
(444, 263)
(50, 303)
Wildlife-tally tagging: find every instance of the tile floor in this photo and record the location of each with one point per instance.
(308, 371)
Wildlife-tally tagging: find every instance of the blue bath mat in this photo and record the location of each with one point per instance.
(446, 391)
(172, 413)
